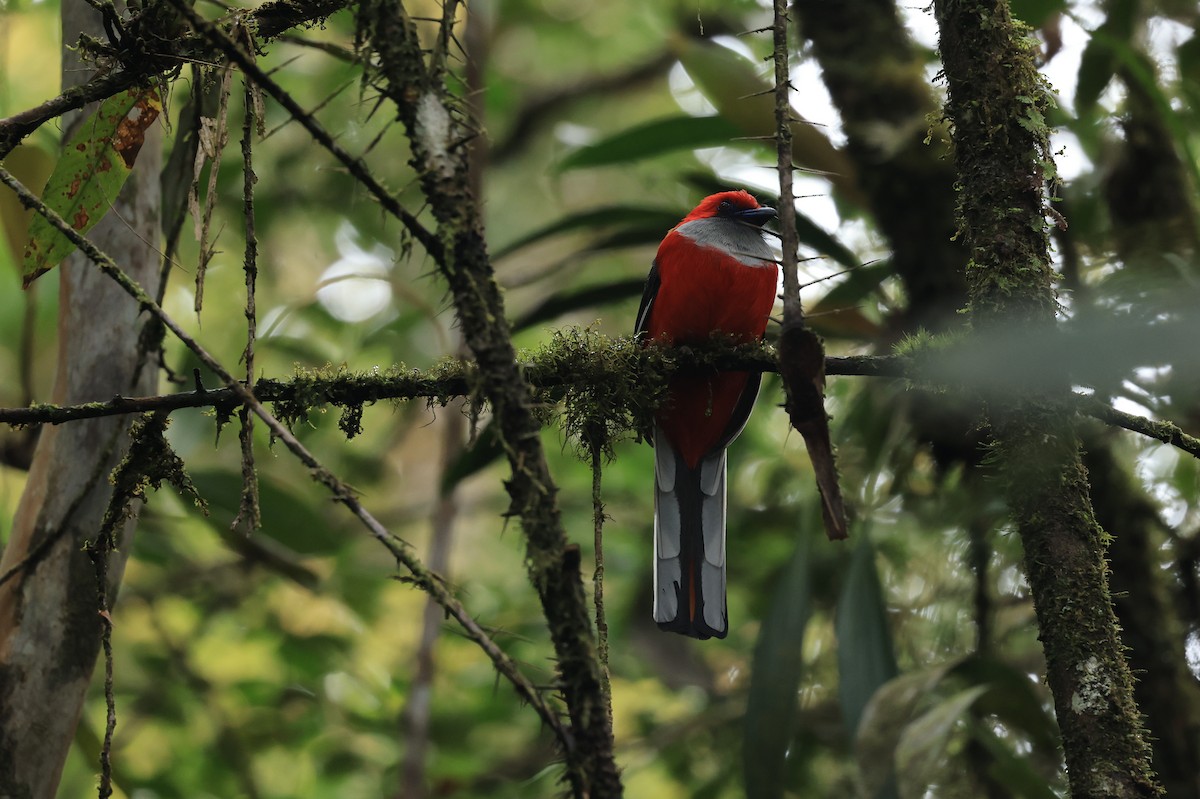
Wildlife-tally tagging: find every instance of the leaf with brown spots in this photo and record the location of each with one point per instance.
(89, 175)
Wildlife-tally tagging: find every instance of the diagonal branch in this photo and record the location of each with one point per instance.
(438, 137)
(426, 580)
(355, 166)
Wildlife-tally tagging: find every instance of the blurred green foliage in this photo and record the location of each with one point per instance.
(281, 665)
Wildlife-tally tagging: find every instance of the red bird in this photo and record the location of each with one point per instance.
(713, 273)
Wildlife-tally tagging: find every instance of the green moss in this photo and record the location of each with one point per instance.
(148, 464)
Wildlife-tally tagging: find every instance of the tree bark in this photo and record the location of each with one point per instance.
(1166, 691)
(997, 103)
(49, 626)
(437, 135)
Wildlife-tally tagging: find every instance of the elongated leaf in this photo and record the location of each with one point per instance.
(810, 234)
(865, 656)
(884, 720)
(743, 96)
(1014, 773)
(593, 296)
(1099, 61)
(1188, 57)
(1011, 697)
(866, 659)
(1139, 71)
(859, 283)
(925, 743)
(30, 164)
(90, 174)
(653, 138)
(287, 517)
(774, 681)
(1035, 12)
(837, 315)
(657, 220)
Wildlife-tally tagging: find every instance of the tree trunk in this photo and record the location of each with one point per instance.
(49, 626)
(997, 103)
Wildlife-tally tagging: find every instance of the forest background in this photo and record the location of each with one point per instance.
(288, 660)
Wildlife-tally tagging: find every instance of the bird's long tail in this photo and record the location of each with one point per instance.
(689, 542)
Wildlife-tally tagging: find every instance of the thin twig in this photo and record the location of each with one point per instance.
(220, 137)
(441, 50)
(249, 517)
(793, 313)
(421, 576)
(598, 575)
(355, 166)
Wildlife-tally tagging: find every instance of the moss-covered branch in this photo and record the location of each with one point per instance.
(996, 105)
(599, 378)
(419, 575)
(438, 133)
(142, 63)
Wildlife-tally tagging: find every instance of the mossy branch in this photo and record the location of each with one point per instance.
(997, 103)
(419, 575)
(597, 378)
(438, 132)
(141, 66)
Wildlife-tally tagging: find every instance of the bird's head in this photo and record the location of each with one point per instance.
(736, 205)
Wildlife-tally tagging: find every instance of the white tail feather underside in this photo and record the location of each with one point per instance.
(689, 526)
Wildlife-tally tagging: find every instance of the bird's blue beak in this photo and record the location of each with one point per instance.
(755, 216)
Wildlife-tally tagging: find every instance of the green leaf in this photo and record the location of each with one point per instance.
(774, 681)
(651, 139)
(1011, 697)
(1188, 56)
(883, 723)
(30, 164)
(657, 220)
(1035, 12)
(288, 516)
(866, 659)
(1142, 74)
(1099, 61)
(89, 175)
(865, 655)
(858, 284)
(925, 744)
(743, 95)
(556, 305)
(810, 234)
(1012, 772)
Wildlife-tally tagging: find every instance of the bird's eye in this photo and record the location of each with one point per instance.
(725, 207)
